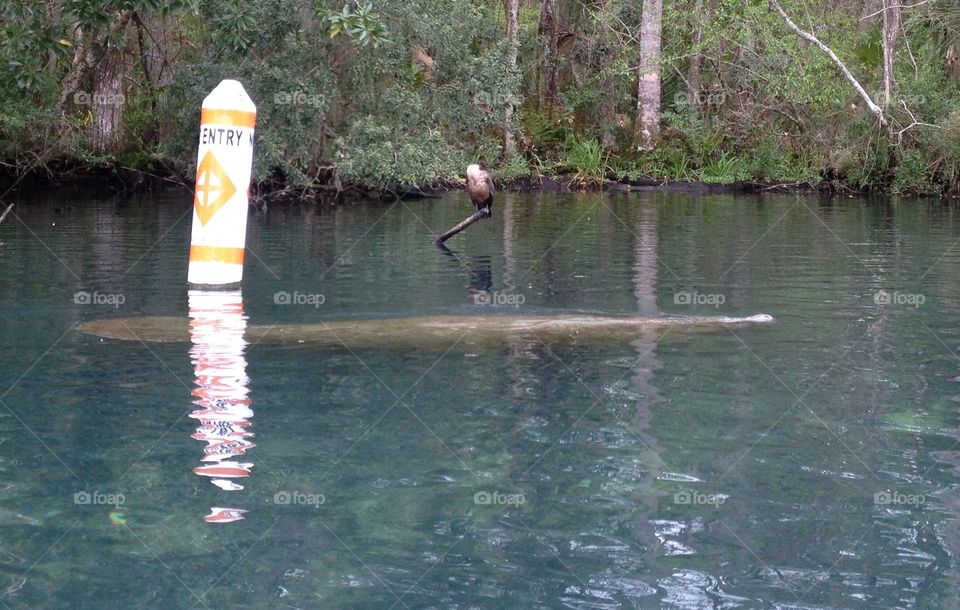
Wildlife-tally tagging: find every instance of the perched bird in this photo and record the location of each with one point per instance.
(480, 187)
(480, 190)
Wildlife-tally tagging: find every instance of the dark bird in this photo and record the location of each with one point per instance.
(480, 187)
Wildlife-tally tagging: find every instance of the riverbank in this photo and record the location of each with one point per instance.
(742, 104)
(126, 179)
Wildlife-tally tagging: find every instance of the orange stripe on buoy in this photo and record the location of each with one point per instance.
(233, 118)
(216, 254)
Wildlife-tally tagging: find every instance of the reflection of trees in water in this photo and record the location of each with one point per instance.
(645, 290)
(582, 454)
(660, 537)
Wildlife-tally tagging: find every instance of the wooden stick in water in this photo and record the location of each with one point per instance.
(481, 213)
(7, 211)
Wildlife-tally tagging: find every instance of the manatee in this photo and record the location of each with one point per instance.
(441, 330)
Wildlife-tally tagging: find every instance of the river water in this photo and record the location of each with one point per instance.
(808, 463)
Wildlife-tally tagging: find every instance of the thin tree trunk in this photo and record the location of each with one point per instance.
(693, 70)
(608, 110)
(548, 27)
(647, 128)
(513, 12)
(891, 31)
(608, 102)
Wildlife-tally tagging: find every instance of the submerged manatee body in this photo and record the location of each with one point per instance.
(427, 330)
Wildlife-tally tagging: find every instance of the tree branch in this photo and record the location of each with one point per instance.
(901, 6)
(874, 108)
(4, 215)
(915, 123)
(481, 213)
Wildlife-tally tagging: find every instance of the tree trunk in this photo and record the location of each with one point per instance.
(952, 63)
(548, 27)
(107, 101)
(608, 110)
(693, 70)
(608, 102)
(509, 139)
(891, 31)
(647, 127)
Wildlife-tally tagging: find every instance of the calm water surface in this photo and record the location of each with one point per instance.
(811, 463)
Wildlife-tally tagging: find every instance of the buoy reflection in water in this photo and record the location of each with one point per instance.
(221, 395)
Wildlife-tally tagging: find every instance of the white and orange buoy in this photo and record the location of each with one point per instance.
(224, 165)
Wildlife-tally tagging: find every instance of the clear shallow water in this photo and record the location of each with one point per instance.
(811, 463)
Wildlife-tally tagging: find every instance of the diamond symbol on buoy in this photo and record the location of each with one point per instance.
(214, 188)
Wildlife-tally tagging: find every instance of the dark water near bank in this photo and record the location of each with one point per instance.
(811, 463)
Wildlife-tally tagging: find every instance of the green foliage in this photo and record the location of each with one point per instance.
(943, 145)
(725, 169)
(235, 25)
(869, 52)
(547, 132)
(380, 156)
(770, 161)
(940, 24)
(587, 159)
(378, 116)
(913, 175)
(930, 163)
(360, 23)
(27, 39)
(678, 168)
(515, 168)
(396, 93)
